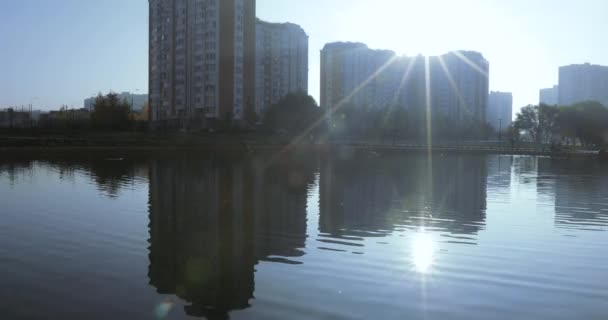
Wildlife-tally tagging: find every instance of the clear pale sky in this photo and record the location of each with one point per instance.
(61, 51)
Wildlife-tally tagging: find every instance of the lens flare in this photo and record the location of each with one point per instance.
(162, 309)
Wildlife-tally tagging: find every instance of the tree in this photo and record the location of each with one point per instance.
(11, 117)
(144, 114)
(539, 121)
(109, 113)
(586, 122)
(294, 114)
(513, 135)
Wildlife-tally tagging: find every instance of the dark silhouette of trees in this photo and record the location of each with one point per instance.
(586, 122)
(11, 117)
(295, 114)
(109, 113)
(395, 123)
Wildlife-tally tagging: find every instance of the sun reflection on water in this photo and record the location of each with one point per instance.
(423, 250)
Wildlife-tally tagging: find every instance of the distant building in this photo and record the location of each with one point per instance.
(500, 110)
(138, 100)
(15, 118)
(456, 82)
(281, 62)
(549, 96)
(201, 61)
(63, 116)
(583, 82)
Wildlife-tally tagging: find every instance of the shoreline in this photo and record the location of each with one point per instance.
(252, 148)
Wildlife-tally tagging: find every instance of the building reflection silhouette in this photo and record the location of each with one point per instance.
(580, 189)
(499, 172)
(373, 196)
(213, 219)
(281, 190)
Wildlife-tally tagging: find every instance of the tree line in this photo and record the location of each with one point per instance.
(298, 113)
(584, 123)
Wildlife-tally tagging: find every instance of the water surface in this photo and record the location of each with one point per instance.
(297, 236)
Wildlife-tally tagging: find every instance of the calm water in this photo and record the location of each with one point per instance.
(296, 237)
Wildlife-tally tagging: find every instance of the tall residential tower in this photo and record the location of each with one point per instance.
(201, 61)
(453, 87)
(281, 62)
(583, 82)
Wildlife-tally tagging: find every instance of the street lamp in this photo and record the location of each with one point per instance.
(500, 131)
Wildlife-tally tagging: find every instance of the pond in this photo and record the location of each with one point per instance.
(301, 236)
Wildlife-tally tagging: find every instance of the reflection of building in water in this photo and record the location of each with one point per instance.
(459, 192)
(212, 220)
(281, 190)
(370, 196)
(355, 198)
(581, 192)
(499, 172)
(201, 234)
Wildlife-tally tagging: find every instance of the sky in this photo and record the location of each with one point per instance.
(58, 52)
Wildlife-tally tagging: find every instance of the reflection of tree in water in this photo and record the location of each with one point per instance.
(13, 169)
(213, 219)
(525, 169)
(368, 196)
(580, 189)
(109, 175)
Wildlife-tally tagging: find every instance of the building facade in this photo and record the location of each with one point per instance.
(353, 74)
(201, 61)
(459, 86)
(583, 82)
(500, 110)
(549, 96)
(453, 86)
(281, 62)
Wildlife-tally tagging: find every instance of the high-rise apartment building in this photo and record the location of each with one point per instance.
(549, 96)
(353, 74)
(281, 62)
(453, 86)
(459, 86)
(500, 110)
(201, 60)
(583, 82)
